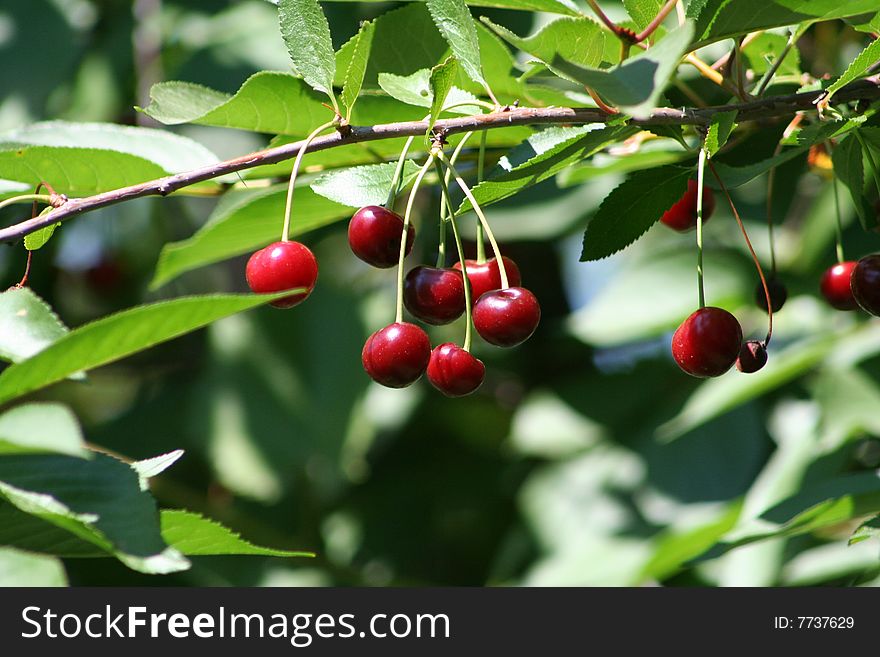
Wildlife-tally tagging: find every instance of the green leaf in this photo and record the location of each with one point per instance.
(98, 501)
(634, 86)
(544, 155)
(456, 24)
(306, 34)
(580, 41)
(868, 529)
(196, 535)
(720, 127)
(274, 103)
(19, 568)
(357, 66)
(416, 90)
(27, 324)
(116, 336)
(722, 19)
(858, 67)
(762, 52)
(632, 208)
(81, 159)
(364, 185)
(734, 176)
(595, 167)
(37, 240)
(149, 468)
(849, 169)
(440, 84)
(242, 222)
(642, 11)
(41, 427)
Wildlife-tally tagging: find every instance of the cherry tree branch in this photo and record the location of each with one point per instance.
(767, 108)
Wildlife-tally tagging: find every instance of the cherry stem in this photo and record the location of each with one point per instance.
(701, 166)
(285, 232)
(752, 252)
(398, 174)
(476, 206)
(481, 163)
(36, 198)
(406, 221)
(837, 224)
(468, 294)
(441, 250)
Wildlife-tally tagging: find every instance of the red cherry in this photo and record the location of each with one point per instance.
(397, 355)
(683, 215)
(454, 371)
(486, 276)
(778, 295)
(752, 357)
(507, 317)
(707, 343)
(434, 295)
(374, 236)
(865, 284)
(835, 286)
(283, 266)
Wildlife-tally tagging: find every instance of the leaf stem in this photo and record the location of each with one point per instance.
(467, 192)
(285, 232)
(406, 222)
(398, 174)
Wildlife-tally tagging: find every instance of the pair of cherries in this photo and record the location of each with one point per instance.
(709, 342)
(851, 285)
(397, 355)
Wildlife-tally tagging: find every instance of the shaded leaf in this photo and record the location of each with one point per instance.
(416, 90)
(720, 127)
(849, 169)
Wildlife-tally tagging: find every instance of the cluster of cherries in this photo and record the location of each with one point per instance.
(710, 341)
(398, 354)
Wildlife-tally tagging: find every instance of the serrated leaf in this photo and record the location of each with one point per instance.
(544, 155)
(37, 240)
(721, 19)
(27, 324)
(416, 90)
(363, 185)
(306, 34)
(440, 83)
(580, 41)
(632, 208)
(849, 169)
(858, 67)
(116, 336)
(20, 568)
(242, 222)
(97, 501)
(195, 535)
(41, 427)
(634, 86)
(454, 20)
(149, 468)
(357, 66)
(642, 11)
(720, 127)
(274, 103)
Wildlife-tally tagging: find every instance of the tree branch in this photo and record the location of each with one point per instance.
(768, 108)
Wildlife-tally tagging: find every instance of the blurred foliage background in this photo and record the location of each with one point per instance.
(586, 458)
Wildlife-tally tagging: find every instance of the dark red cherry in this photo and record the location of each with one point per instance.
(835, 286)
(397, 355)
(707, 343)
(778, 295)
(374, 236)
(507, 317)
(454, 371)
(486, 276)
(283, 266)
(752, 357)
(434, 295)
(865, 284)
(683, 215)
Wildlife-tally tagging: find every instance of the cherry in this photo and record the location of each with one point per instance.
(374, 236)
(283, 266)
(507, 317)
(778, 295)
(683, 215)
(835, 286)
(397, 355)
(486, 276)
(434, 295)
(707, 343)
(454, 371)
(865, 283)
(752, 357)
